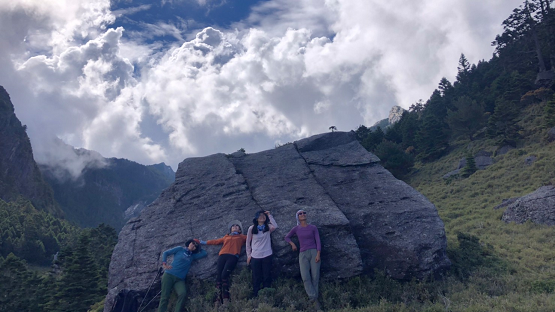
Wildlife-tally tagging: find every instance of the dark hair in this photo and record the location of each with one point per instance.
(187, 243)
(255, 222)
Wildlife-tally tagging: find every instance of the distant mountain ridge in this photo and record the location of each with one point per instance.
(110, 194)
(77, 184)
(19, 173)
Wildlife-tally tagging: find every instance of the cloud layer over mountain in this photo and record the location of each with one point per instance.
(292, 68)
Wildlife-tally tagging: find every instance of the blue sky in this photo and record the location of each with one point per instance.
(217, 14)
(155, 81)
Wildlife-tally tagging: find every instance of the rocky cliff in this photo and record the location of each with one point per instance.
(367, 219)
(395, 114)
(19, 173)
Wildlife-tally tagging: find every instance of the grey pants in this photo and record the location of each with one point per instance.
(310, 272)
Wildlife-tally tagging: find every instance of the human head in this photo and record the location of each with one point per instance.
(192, 241)
(235, 222)
(303, 216)
(260, 214)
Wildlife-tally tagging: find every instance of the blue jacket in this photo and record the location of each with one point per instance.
(182, 259)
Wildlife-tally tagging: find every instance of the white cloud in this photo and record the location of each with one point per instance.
(66, 163)
(291, 69)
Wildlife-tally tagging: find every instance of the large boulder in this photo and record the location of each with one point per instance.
(366, 217)
(538, 207)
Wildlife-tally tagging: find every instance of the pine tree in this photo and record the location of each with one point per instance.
(408, 126)
(78, 288)
(445, 87)
(463, 68)
(432, 138)
(432, 141)
(13, 273)
(503, 123)
(361, 132)
(470, 166)
(549, 113)
(394, 134)
(466, 118)
(373, 138)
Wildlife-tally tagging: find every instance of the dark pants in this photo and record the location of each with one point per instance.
(261, 273)
(169, 283)
(226, 265)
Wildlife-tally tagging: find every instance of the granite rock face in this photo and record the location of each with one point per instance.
(538, 207)
(367, 219)
(395, 114)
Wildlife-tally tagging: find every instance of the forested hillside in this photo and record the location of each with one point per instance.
(111, 194)
(77, 277)
(485, 101)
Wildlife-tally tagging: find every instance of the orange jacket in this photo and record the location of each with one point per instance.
(232, 243)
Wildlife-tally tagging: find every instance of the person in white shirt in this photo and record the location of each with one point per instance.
(259, 249)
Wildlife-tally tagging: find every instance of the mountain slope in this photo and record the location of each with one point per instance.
(19, 173)
(110, 194)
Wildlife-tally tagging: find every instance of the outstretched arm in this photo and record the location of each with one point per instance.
(215, 241)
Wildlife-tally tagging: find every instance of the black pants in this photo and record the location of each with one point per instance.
(226, 265)
(261, 273)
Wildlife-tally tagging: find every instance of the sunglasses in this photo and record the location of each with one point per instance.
(301, 213)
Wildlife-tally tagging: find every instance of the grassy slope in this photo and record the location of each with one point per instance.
(467, 205)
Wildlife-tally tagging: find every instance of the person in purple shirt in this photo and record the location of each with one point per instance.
(309, 255)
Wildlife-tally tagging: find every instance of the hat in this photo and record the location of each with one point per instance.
(230, 224)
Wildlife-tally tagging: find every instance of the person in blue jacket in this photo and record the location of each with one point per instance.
(174, 274)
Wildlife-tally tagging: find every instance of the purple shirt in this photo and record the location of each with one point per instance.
(309, 238)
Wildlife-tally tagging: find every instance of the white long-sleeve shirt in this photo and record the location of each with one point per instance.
(260, 245)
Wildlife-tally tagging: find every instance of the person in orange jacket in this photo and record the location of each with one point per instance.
(228, 257)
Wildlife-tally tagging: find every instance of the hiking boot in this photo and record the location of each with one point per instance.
(316, 304)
